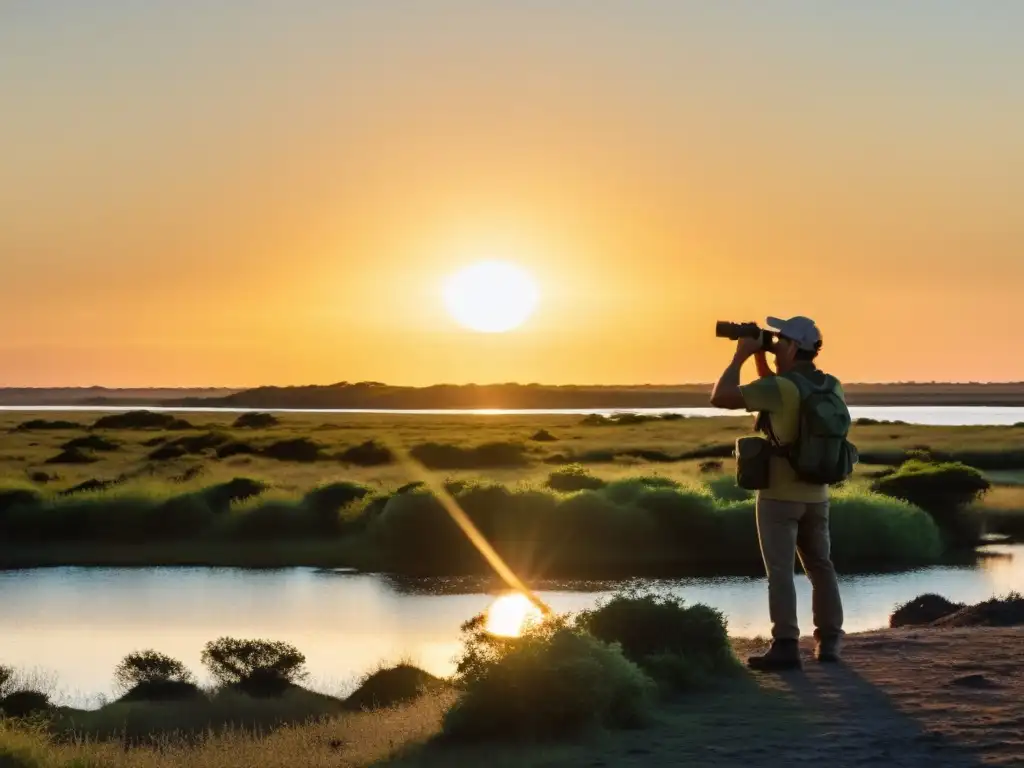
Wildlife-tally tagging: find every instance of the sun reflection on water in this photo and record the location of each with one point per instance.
(510, 614)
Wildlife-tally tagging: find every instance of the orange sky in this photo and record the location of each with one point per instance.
(273, 193)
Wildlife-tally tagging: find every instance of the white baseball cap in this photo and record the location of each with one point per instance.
(800, 330)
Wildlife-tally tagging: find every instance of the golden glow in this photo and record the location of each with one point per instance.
(509, 615)
(491, 296)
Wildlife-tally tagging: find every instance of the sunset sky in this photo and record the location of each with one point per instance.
(206, 193)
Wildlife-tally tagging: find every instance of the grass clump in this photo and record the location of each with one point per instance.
(256, 420)
(573, 478)
(255, 667)
(553, 682)
(682, 647)
(543, 436)
(947, 491)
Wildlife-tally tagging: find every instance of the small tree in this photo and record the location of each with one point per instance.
(149, 667)
(232, 661)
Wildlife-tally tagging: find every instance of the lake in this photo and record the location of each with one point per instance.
(73, 625)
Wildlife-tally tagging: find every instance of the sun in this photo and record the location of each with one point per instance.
(491, 296)
(509, 614)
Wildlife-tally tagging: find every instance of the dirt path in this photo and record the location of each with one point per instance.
(934, 697)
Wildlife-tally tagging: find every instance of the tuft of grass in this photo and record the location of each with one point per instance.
(368, 454)
(91, 443)
(72, 456)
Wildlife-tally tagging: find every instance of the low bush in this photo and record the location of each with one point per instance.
(236, 448)
(141, 420)
(299, 449)
(725, 488)
(553, 682)
(1006, 611)
(486, 456)
(91, 443)
(92, 485)
(679, 646)
(922, 610)
(24, 704)
(946, 491)
(390, 686)
(573, 478)
(368, 454)
(256, 420)
(72, 456)
(543, 436)
(257, 667)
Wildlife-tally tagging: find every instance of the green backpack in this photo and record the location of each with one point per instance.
(821, 453)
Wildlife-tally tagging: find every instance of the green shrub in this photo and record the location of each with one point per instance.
(486, 456)
(725, 488)
(677, 645)
(149, 667)
(368, 454)
(141, 420)
(553, 682)
(91, 443)
(299, 449)
(254, 665)
(573, 478)
(946, 491)
(868, 529)
(628, 490)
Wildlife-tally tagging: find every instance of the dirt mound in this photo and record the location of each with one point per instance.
(389, 687)
(141, 420)
(998, 612)
(72, 456)
(922, 611)
(977, 682)
(91, 443)
(256, 421)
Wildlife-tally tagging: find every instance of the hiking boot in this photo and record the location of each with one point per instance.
(826, 650)
(783, 654)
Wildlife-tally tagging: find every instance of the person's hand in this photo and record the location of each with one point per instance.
(745, 347)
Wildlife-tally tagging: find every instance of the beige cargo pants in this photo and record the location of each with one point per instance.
(785, 529)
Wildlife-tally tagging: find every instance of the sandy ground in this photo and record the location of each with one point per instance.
(914, 697)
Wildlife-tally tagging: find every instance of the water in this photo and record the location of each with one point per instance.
(75, 624)
(923, 414)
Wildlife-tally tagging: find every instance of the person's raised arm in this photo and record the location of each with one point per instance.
(726, 393)
(761, 361)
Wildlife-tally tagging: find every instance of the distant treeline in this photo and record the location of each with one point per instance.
(375, 395)
(518, 396)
